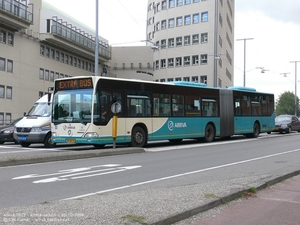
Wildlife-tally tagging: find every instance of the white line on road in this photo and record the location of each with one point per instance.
(182, 174)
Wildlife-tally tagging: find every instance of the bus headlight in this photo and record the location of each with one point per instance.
(90, 135)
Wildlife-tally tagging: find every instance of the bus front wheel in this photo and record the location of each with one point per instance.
(209, 133)
(138, 137)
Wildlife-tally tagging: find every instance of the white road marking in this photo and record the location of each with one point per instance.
(182, 174)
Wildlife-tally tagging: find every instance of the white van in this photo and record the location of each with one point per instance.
(35, 127)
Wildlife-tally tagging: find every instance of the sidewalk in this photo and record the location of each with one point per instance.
(275, 205)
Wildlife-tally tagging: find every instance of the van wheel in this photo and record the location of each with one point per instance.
(48, 142)
(25, 144)
(138, 137)
(209, 133)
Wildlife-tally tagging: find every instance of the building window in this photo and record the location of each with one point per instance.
(157, 26)
(177, 78)
(3, 36)
(9, 92)
(71, 60)
(186, 79)
(42, 48)
(164, 4)
(67, 59)
(156, 64)
(196, 1)
(2, 64)
(47, 52)
(195, 79)
(163, 24)
(179, 21)
(10, 39)
(75, 62)
(195, 60)
(8, 118)
(178, 61)
(9, 66)
(52, 53)
(2, 88)
(204, 17)
(196, 18)
(179, 41)
(171, 3)
(204, 59)
(62, 57)
(1, 118)
(52, 76)
(171, 22)
(187, 2)
(203, 79)
(61, 75)
(79, 63)
(42, 74)
(158, 7)
(162, 63)
(171, 62)
(163, 43)
(195, 39)
(186, 60)
(187, 20)
(57, 55)
(56, 76)
(179, 3)
(204, 37)
(187, 40)
(171, 42)
(46, 74)
(41, 94)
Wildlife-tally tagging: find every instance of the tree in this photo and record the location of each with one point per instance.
(286, 104)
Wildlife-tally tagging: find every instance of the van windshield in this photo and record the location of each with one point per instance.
(41, 109)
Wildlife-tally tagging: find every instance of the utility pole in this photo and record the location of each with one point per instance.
(296, 103)
(244, 39)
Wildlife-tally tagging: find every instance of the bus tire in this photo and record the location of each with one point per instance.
(47, 142)
(256, 131)
(209, 133)
(25, 144)
(138, 137)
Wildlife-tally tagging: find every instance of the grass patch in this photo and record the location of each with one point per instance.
(210, 195)
(134, 219)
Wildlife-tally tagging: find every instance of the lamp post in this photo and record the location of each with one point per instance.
(296, 103)
(244, 39)
(96, 42)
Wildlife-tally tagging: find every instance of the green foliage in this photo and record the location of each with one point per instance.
(286, 104)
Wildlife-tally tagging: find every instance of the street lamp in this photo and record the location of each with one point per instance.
(296, 103)
(244, 39)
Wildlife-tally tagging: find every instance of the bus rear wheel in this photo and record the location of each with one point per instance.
(209, 133)
(138, 137)
(256, 131)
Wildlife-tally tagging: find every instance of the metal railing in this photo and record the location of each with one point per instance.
(16, 8)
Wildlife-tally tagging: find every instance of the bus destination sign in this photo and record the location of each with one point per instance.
(74, 84)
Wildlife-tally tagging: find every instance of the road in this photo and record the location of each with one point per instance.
(162, 166)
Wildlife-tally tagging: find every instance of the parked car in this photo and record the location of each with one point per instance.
(286, 124)
(7, 132)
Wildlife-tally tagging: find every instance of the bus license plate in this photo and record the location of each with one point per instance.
(73, 141)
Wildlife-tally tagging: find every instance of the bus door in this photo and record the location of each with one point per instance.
(227, 117)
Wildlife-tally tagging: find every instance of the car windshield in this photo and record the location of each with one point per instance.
(280, 119)
(42, 109)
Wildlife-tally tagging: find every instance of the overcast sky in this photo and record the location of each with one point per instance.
(273, 25)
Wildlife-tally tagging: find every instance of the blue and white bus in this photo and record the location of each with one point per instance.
(151, 111)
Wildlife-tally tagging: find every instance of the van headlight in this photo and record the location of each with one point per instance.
(36, 129)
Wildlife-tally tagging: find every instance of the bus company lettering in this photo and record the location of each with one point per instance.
(172, 125)
(70, 127)
(75, 84)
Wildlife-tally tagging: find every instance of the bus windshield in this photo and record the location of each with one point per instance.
(73, 106)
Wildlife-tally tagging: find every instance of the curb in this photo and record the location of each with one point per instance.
(194, 211)
(13, 160)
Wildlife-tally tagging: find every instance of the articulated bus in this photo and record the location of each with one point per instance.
(151, 111)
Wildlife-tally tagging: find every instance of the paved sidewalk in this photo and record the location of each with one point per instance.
(275, 205)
